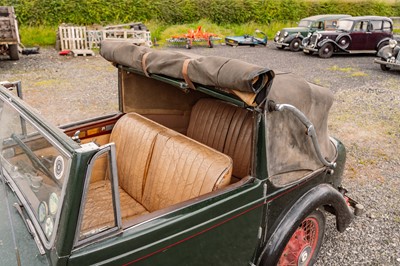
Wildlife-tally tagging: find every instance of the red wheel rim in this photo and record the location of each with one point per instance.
(301, 246)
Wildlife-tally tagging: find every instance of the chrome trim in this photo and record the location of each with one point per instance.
(110, 149)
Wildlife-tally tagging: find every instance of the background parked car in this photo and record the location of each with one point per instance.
(366, 34)
(389, 56)
(292, 37)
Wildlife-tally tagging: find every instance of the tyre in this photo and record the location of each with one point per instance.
(384, 67)
(304, 245)
(344, 42)
(210, 44)
(295, 45)
(13, 50)
(326, 50)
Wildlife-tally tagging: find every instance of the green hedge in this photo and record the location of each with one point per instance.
(85, 12)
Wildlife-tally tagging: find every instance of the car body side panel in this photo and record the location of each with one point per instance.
(202, 233)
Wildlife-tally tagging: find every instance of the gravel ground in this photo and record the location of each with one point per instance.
(365, 116)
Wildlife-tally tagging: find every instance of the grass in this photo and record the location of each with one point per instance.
(352, 72)
(46, 35)
(38, 36)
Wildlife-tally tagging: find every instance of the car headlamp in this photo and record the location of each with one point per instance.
(285, 34)
(278, 33)
(319, 35)
(392, 43)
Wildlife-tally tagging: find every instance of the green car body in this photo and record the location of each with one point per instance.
(50, 174)
(292, 37)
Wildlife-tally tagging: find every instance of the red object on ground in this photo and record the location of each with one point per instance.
(65, 52)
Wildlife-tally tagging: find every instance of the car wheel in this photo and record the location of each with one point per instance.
(326, 50)
(344, 42)
(295, 45)
(303, 246)
(14, 55)
(385, 67)
(210, 44)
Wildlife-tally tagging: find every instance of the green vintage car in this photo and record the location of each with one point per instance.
(210, 161)
(292, 37)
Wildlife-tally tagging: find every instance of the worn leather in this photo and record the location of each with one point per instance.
(99, 204)
(226, 128)
(134, 138)
(157, 167)
(181, 169)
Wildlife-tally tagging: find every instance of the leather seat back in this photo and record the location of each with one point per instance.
(159, 167)
(134, 137)
(182, 169)
(226, 128)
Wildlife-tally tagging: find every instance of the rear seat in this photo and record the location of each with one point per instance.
(157, 167)
(226, 128)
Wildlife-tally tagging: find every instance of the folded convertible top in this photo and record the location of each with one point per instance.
(232, 75)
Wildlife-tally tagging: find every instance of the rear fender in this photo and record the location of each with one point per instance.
(322, 195)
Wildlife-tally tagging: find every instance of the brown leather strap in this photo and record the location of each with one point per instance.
(185, 74)
(144, 67)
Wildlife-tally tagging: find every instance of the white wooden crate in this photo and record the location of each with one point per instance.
(73, 38)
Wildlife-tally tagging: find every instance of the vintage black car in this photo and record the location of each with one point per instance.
(366, 34)
(389, 56)
(293, 37)
(210, 161)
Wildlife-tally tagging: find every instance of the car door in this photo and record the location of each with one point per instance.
(359, 36)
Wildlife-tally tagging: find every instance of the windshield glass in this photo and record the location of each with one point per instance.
(34, 166)
(345, 25)
(304, 23)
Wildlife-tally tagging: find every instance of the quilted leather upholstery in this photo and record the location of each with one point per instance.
(134, 138)
(226, 128)
(181, 169)
(157, 167)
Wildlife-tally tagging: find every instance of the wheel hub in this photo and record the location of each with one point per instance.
(301, 246)
(304, 255)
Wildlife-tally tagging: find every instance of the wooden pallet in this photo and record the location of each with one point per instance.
(80, 52)
(73, 38)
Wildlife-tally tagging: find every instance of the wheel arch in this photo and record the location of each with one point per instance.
(335, 45)
(293, 36)
(387, 39)
(319, 196)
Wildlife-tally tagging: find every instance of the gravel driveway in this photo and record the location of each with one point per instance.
(365, 116)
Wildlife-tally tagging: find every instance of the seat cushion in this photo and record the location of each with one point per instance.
(99, 209)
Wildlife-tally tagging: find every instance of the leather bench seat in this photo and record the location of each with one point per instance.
(157, 167)
(226, 128)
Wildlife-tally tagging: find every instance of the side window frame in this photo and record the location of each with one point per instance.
(110, 150)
